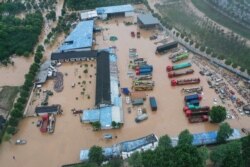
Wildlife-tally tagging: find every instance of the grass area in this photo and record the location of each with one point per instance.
(205, 32)
(221, 19)
(7, 97)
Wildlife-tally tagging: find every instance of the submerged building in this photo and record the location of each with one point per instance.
(147, 21)
(81, 38)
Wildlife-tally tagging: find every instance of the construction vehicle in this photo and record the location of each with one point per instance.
(137, 102)
(153, 103)
(45, 122)
(141, 118)
(143, 77)
(178, 66)
(180, 57)
(185, 81)
(164, 48)
(197, 119)
(196, 113)
(196, 108)
(143, 82)
(177, 74)
(138, 95)
(192, 97)
(192, 90)
(143, 88)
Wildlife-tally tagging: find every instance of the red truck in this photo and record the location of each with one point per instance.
(190, 113)
(185, 81)
(177, 74)
(197, 119)
(45, 122)
(133, 34)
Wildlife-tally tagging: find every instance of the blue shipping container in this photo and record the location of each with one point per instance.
(153, 103)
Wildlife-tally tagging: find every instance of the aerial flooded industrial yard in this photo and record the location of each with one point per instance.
(96, 83)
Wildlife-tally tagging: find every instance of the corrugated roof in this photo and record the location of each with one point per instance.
(73, 55)
(47, 109)
(80, 37)
(114, 9)
(88, 15)
(148, 19)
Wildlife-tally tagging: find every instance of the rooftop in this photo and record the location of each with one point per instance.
(80, 37)
(47, 109)
(148, 19)
(43, 72)
(88, 15)
(115, 9)
(73, 55)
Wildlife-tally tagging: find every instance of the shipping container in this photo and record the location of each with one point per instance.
(153, 103)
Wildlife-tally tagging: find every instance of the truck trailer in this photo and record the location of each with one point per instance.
(143, 88)
(143, 77)
(137, 102)
(45, 122)
(178, 66)
(138, 95)
(193, 102)
(164, 48)
(190, 113)
(185, 81)
(192, 90)
(180, 57)
(196, 108)
(145, 71)
(197, 119)
(177, 74)
(192, 97)
(144, 67)
(153, 103)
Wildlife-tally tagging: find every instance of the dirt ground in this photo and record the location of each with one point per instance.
(71, 136)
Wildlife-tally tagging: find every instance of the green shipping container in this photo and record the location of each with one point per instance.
(181, 65)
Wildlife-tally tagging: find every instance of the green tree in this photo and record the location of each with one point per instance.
(114, 124)
(246, 150)
(202, 48)
(95, 155)
(228, 62)
(135, 160)
(185, 138)
(40, 48)
(227, 155)
(96, 125)
(242, 69)
(204, 154)
(115, 162)
(224, 132)
(234, 65)
(13, 121)
(197, 45)
(218, 114)
(16, 113)
(165, 142)
(11, 130)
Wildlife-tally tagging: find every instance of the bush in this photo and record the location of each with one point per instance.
(11, 130)
(186, 39)
(214, 55)
(197, 45)
(191, 42)
(202, 48)
(218, 114)
(235, 65)
(13, 121)
(242, 69)
(228, 62)
(208, 51)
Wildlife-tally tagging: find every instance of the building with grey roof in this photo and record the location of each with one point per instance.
(43, 73)
(113, 11)
(147, 21)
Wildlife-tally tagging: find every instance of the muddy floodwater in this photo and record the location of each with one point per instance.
(70, 136)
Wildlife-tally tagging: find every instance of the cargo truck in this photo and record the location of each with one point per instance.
(178, 66)
(143, 88)
(153, 103)
(196, 113)
(192, 97)
(197, 119)
(196, 108)
(164, 48)
(192, 90)
(177, 74)
(146, 71)
(45, 122)
(143, 77)
(143, 82)
(138, 95)
(137, 102)
(180, 57)
(141, 118)
(144, 67)
(185, 81)
(193, 102)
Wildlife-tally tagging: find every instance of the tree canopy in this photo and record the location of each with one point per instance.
(218, 114)
(224, 132)
(95, 155)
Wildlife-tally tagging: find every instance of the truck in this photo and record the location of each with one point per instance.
(192, 97)
(166, 47)
(197, 119)
(137, 102)
(177, 74)
(52, 121)
(178, 66)
(138, 95)
(143, 88)
(195, 102)
(179, 52)
(180, 57)
(141, 118)
(146, 71)
(192, 90)
(144, 67)
(45, 122)
(143, 82)
(196, 108)
(153, 103)
(185, 81)
(196, 113)
(143, 77)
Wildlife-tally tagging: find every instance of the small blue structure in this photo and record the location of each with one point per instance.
(80, 38)
(124, 10)
(125, 91)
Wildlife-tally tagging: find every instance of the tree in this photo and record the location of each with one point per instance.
(246, 150)
(96, 125)
(95, 155)
(135, 160)
(224, 132)
(228, 155)
(228, 62)
(85, 71)
(13, 121)
(242, 69)
(165, 142)
(16, 113)
(11, 130)
(186, 39)
(197, 45)
(191, 42)
(234, 65)
(202, 48)
(204, 154)
(115, 162)
(40, 48)
(114, 124)
(218, 114)
(185, 138)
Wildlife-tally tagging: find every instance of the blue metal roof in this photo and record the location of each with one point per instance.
(80, 37)
(114, 9)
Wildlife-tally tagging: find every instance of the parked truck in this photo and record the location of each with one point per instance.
(190, 113)
(197, 119)
(185, 81)
(178, 66)
(137, 102)
(45, 122)
(143, 88)
(138, 95)
(141, 118)
(144, 67)
(196, 108)
(153, 103)
(180, 57)
(179, 52)
(177, 74)
(52, 121)
(166, 47)
(192, 97)
(146, 71)
(195, 102)
(192, 90)
(143, 77)
(143, 82)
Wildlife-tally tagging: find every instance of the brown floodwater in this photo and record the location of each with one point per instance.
(71, 136)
